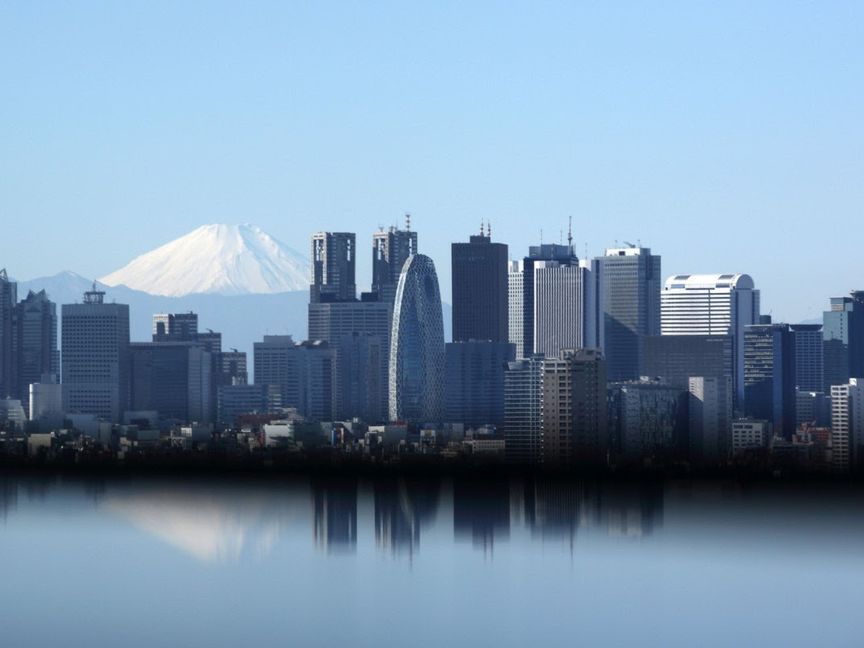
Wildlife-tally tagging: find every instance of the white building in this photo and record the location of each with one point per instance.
(748, 434)
(711, 304)
(565, 302)
(847, 423)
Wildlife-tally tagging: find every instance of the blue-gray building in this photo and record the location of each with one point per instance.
(843, 340)
(769, 376)
(474, 381)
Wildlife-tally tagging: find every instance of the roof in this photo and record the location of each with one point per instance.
(735, 281)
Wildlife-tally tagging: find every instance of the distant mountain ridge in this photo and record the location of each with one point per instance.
(216, 259)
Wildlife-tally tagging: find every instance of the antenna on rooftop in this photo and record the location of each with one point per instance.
(489, 229)
(407, 221)
(570, 231)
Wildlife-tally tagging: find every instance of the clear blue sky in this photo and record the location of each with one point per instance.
(728, 136)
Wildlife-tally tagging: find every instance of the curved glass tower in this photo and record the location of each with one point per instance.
(417, 345)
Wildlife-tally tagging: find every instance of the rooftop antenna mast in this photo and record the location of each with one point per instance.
(570, 231)
(407, 221)
(489, 229)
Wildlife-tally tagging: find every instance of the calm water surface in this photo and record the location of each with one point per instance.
(401, 562)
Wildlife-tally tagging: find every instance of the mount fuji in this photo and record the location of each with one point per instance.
(216, 259)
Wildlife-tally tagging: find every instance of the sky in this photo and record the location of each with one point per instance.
(727, 136)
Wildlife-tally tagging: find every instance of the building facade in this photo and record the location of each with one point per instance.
(479, 283)
(474, 382)
(843, 340)
(333, 267)
(769, 376)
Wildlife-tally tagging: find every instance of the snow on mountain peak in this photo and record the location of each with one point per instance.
(222, 259)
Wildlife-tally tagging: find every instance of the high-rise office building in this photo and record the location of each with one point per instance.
(648, 419)
(173, 379)
(35, 353)
(8, 299)
(808, 338)
(675, 358)
(361, 375)
(843, 339)
(574, 407)
(474, 382)
(416, 380)
(628, 297)
(565, 302)
(479, 280)
(390, 249)
(333, 267)
(523, 410)
(176, 327)
(769, 376)
(710, 412)
(520, 293)
(95, 357)
(847, 425)
(230, 368)
(712, 304)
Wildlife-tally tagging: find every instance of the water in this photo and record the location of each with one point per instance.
(395, 562)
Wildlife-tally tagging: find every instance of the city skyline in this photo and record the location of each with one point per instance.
(661, 124)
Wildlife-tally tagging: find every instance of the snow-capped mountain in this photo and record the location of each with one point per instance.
(216, 259)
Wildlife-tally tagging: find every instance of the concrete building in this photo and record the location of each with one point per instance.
(812, 408)
(8, 299)
(235, 400)
(809, 365)
(749, 434)
(173, 379)
(95, 353)
(565, 307)
(479, 282)
(416, 376)
(175, 327)
(35, 346)
(847, 425)
(712, 304)
(333, 267)
(843, 340)
(628, 297)
(46, 399)
(474, 382)
(710, 413)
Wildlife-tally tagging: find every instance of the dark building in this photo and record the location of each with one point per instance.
(390, 249)
(230, 368)
(675, 358)
(523, 410)
(236, 400)
(35, 352)
(361, 377)
(769, 376)
(8, 299)
(333, 267)
(648, 419)
(808, 341)
(474, 381)
(172, 378)
(843, 340)
(628, 296)
(479, 281)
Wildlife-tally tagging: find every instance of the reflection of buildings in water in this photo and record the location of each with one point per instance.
(562, 507)
(481, 509)
(401, 506)
(335, 508)
(211, 522)
(8, 495)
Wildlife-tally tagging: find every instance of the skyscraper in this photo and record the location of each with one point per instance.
(710, 410)
(628, 297)
(808, 356)
(177, 327)
(712, 304)
(843, 339)
(523, 410)
(390, 249)
(847, 425)
(95, 354)
(574, 407)
(36, 351)
(479, 280)
(676, 358)
(416, 383)
(333, 267)
(769, 376)
(8, 299)
(565, 302)
(474, 381)
(648, 419)
(520, 290)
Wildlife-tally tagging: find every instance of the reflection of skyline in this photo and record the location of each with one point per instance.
(402, 506)
(334, 503)
(210, 522)
(481, 510)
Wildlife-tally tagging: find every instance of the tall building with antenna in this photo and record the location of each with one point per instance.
(390, 249)
(479, 284)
